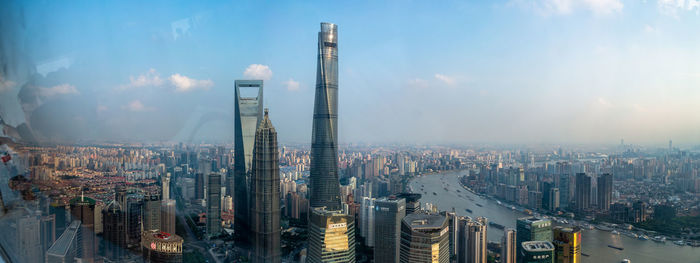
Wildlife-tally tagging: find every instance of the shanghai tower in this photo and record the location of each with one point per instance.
(265, 195)
(325, 189)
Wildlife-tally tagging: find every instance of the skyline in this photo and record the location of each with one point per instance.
(586, 72)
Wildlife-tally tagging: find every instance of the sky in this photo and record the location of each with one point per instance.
(503, 71)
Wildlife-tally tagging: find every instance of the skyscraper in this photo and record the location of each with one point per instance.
(567, 243)
(424, 238)
(532, 229)
(167, 216)
(114, 218)
(83, 209)
(134, 220)
(28, 237)
(214, 204)
(151, 212)
(331, 236)
(387, 228)
(161, 247)
(472, 240)
(199, 186)
(508, 246)
(367, 220)
(583, 192)
(537, 252)
(325, 188)
(605, 183)
(249, 109)
(166, 187)
(265, 194)
(66, 246)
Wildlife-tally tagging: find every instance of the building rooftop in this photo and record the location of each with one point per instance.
(63, 243)
(537, 246)
(424, 221)
(533, 220)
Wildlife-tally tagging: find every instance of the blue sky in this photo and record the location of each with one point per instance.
(512, 71)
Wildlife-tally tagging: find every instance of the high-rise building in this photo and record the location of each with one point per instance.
(151, 212)
(249, 112)
(331, 236)
(412, 201)
(532, 229)
(265, 194)
(553, 194)
(387, 228)
(166, 187)
(114, 218)
(199, 186)
(167, 216)
(28, 237)
(367, 220)
(508, 245)
(424, 238)
(83, 209)
(134, 220)
(567, 243)
(605, 187)
(472, 240)
(583, 192)
(65, 248)
(537, 252)
(452, 222)
(565, 190)
(325, 188)
(214, 204)
(161, 247)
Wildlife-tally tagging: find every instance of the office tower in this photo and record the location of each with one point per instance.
(583, 192)
(534, 199)
(412, 201)
(114, 218)
(120, 195)
(249, 113)
(532, 229)
(387, 228)
(134, 220)
(28, 237)
(565, 190)
(331, 236)
(367, 220)
(537, 252)
(151, 212)
(452, 221)
(166, 187)
(199, 186)
(508, 245)
(567, 243)
(472, 240)
(424, 238)
(325, 189)
(83, 209)
(214, 204)
(605, 186)
(553, 199)
(161, 247)
(65, 248)
(167, 216)
(265, 194)
(48, 232)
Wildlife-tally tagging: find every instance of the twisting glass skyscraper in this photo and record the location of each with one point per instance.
(249, 108)
(325, 190)
(265, 194)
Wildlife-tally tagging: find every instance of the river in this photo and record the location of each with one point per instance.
(594, 242)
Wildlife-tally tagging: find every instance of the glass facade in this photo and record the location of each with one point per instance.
(325, 190)
(248, 113)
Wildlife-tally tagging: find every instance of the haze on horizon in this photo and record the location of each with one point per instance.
(509, 71)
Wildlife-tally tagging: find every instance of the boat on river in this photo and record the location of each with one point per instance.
(479, 205)
(618, 248)
(497, 225)
(468, 210)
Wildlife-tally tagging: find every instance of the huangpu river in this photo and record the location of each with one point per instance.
(594, 242)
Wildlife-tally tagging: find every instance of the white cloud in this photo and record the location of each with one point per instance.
(150, 79)
(650, 29)
(417, 83)
(603, 102)
(291, 85)
(101, 108)
(136, 106)
(672, 7)
(446, 79)
(257, 71)
(63, 89)
(184, 83)
(565, 7)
